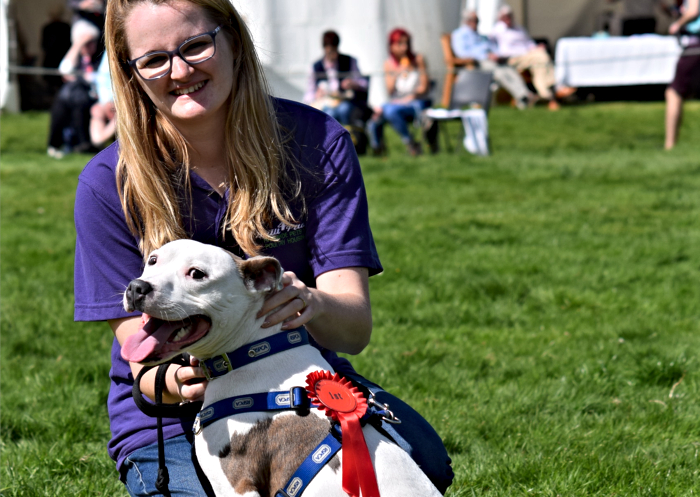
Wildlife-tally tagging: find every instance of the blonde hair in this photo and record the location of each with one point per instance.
(154, 162)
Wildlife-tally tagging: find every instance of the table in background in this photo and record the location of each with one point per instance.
(616, 61)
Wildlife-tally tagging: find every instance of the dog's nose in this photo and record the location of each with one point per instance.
(136, 292)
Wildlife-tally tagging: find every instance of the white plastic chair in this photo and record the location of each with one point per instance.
(470, 102)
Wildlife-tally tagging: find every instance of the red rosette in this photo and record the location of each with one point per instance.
(343, 402)
(335, 395)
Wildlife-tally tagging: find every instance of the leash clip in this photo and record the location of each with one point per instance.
(222, 363)
(383, 411)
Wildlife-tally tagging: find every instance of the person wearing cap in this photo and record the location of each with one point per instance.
(467, 43)
(519, 50)
(335, 84)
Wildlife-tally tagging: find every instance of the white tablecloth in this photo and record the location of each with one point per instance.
(616, 61)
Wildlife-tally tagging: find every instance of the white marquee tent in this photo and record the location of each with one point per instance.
(288, 32)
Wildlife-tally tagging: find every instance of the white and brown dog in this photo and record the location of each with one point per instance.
(204, 300)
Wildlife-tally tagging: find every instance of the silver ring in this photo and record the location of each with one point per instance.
(179, 384)
(302, 301)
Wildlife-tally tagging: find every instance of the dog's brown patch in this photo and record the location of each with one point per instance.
(264, 459)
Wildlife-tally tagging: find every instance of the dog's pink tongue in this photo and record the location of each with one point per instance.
(152, 334)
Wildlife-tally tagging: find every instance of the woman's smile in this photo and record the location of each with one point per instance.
(190, 89)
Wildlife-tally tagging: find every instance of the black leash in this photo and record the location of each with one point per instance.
(163, 475)
(160, 411)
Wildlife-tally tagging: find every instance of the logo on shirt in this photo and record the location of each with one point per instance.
(286, 235)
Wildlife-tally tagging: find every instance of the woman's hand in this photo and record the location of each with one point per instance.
(297, 304)
(674, 28)
(188, 381)
(405, 99)
(337, 312)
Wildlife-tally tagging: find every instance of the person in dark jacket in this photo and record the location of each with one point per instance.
(336, 85)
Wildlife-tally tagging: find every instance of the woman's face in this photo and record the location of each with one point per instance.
(188, 95)
(400, 47)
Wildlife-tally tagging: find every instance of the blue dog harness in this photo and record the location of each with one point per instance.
(224, 363)
(294, 399)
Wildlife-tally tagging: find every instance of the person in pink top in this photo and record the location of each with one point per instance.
(518, 50)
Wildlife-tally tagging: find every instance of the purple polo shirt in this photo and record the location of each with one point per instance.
(333, 234)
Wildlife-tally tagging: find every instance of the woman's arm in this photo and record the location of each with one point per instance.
(690, 13)
(71, 60)
(423, 85)
(337, 313)
(177, 387)
(389, 77)
(103, 123)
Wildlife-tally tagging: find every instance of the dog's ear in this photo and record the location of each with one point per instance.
(261, 274)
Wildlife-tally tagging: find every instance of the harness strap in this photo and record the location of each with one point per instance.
(280, 342)
(295, 398)
(313, 463)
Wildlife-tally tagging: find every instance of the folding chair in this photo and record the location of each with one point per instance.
(452, 65)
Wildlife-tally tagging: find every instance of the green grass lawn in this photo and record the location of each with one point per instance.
(540, 307)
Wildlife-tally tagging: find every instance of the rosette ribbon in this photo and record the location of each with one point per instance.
(343, 402)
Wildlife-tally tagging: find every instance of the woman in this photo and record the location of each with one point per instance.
(686, 81)
(406, 80)
(204, 152)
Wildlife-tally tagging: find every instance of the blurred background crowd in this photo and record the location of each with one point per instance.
(370, 64)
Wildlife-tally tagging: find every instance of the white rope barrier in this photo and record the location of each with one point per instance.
(688, 52)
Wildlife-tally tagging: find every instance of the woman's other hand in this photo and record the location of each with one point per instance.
(297, 305)
(337, 312)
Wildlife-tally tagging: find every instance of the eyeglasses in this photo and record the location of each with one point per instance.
(195, 50)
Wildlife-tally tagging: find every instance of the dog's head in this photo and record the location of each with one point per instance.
(194, 296)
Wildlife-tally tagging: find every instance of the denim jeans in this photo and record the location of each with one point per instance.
(414, 435)
(342, 112)
(398, 115)
(140, 470)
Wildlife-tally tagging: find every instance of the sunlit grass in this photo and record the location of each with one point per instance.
(539, 307)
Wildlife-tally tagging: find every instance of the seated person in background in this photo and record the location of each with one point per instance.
(406, 78)
(467, 43)
(70, 112)
(103, 113)
(335, 84)
(518, 50)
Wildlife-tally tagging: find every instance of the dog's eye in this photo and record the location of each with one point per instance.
(152, 260)
(196, 274)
